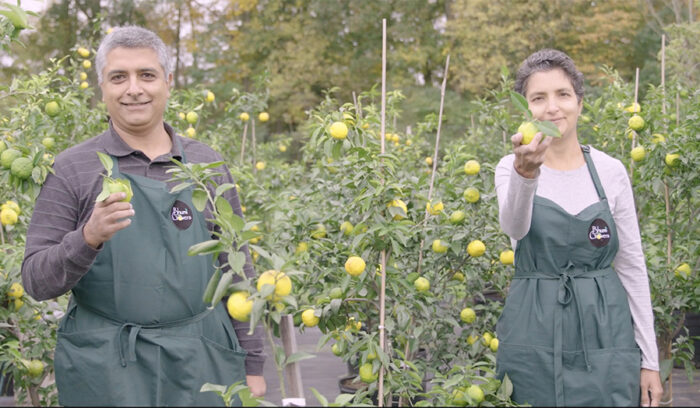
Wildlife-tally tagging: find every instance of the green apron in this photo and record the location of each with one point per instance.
(566, 336)
(136, 331)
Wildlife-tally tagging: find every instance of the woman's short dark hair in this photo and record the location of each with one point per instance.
(546, 60)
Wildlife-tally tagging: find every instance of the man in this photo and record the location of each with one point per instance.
(136, 331)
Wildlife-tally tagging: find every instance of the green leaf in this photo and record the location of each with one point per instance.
(298, 356)
(180, 187)
(506, 388)
(237, 261)
(321, 398)
(224, 187)
(221, 288)
(105, 191)
(665, 368)
(211, 286)
(520, 104)
(207, 387)
(547, 128)
(199, 199)
(344, 399)
(203, 248)
(106, 162)
(223, 207)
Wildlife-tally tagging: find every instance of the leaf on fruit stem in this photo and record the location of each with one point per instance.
(520, 104)
(547, 128)
(107, 162)
(199, 199)
(222, 288)
(105, 191)
(211, 286)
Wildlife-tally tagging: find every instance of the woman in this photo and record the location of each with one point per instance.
(573, 328)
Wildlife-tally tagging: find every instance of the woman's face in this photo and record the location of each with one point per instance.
(550, 96)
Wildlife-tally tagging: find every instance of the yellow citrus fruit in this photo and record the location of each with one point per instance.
(309, 318)
(83, 52)
(467, 315)
(471, 339)
(244, 116)
(22, 168)
(338, 130)
(457, 217)
(319, 232)
(191, 117)
(35, 368)
(84, 85)
(438, 247)
(672, 159)
(507, 257)
(366, 374)
(636, 122)
(16, 291)
(281, 282)
(191, 132)
(429, 161)
(435, 209)
(8, 156)
(634, 108)
(471, 195)
(87, 64)
(83, 76)
(400, 204)
(493, 345)
(260, 165)
(408, 142)
(528, 130)
(683, 270)
(210, 96)
(337, 349)
(472, 167)
(421, 284)
(263, 117)
(458, 276)
(239, 306)
(52, 109)
(346, 227)
(12, 205)
(355, 265)
(476, 248)
(18, 304)
(638, 153)
(486, 338)
(658, 138)
(302, 247)
(282, 148)
(475, 393)
(8, 216)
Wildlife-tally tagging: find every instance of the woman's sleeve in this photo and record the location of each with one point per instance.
(515, 196)
(630, 266)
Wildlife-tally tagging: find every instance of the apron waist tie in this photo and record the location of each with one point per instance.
(134, 329)
(566, 292)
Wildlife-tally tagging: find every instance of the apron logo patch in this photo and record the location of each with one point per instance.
(181, 215)
(599, 233)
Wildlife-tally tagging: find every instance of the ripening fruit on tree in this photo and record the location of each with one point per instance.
(263, 117)
(83, 52)
(475, 393)
(84, 85)
(281, 282)
(636, 122)
(457, 217)
(467, 315)
(400, 204)
(471, 195)
(8, 217)
(338, 130)
(192, 117)
(438, 247)
(507, 257)
(239, 307)
(22, 168)
(421, 284)
(260, 165)
(210, 97)
(52, 109)
(309, 318)
(429, 161)
(472, 167)
(476, 248)
(346, 227)
(355, 265)
(672, 159)
(244, 116)
(435, 209)
(191, 132)
(638, 153)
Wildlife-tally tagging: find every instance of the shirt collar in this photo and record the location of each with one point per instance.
(116, 146)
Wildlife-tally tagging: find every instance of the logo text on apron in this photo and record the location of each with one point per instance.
(599, 233)
(181, 215)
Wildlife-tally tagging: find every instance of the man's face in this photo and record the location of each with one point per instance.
(135, 89)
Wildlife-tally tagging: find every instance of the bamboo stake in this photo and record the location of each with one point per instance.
(382, 293)
(358, 112)
(663, 74)
(634, 104)
(252, 141)
(245, 131)
(435, 158)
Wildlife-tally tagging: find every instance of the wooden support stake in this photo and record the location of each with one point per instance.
(252, 123)
(663, 75)
(292, 370)
(245, 136)
(382, 293)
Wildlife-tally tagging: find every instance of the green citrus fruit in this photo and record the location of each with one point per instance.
(366, 373)
(638, 153)
(467, 315)
(346, 227)
(421, 284)
(475, 393)
(471, 195)
(192, 117)
(52, 109)
(48, 142)
(336, 293)
(337, 349)
(8, 156)
(458, 276)
(319, 232)
(457, 217)
(636, 122)
(22, 168)
(120, 186)
(35, 368)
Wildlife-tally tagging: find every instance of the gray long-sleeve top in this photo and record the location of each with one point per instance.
(56, 254)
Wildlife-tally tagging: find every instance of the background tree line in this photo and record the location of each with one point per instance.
(301, 48)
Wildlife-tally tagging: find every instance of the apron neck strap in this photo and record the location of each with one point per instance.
(594, 174)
